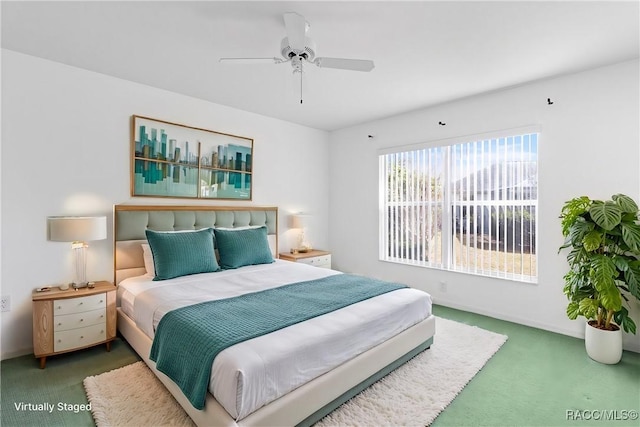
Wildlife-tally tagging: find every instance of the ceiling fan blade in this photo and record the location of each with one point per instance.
(296, 27)
(345, 64)
(241, 61)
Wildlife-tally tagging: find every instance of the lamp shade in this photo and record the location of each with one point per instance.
(77, 228)
(300, 220)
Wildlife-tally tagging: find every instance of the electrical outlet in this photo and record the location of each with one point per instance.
(5, 303)
(443, 287)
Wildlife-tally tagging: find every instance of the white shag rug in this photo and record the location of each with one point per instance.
(412, 395)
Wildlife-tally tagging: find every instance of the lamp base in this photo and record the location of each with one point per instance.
(89, 285)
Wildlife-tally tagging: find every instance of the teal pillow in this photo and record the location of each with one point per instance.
(182, 253)
(238, 248)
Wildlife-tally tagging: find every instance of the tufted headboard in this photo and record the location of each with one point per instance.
(131, 221)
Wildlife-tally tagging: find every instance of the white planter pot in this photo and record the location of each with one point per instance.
(603, 346)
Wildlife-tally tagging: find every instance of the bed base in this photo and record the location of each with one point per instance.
(310, 402)
(334, 404)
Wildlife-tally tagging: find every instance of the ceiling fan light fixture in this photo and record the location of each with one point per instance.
(309, 52)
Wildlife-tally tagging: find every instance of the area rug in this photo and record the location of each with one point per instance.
(412, 395)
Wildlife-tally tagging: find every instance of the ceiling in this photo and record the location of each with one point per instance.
(425, 52)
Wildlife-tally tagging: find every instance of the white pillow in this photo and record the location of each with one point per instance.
(242, 227)
(148, 259)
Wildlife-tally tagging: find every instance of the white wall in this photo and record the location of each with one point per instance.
(589, 145)
(66, 151)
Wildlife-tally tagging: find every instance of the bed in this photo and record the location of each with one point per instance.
(265, 380)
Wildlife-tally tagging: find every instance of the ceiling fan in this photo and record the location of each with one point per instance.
(298, 49)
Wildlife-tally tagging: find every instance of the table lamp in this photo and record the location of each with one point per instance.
(301, 221)
(78, 230)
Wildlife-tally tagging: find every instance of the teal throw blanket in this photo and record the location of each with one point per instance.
(189, 338)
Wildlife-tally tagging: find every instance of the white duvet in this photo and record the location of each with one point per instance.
(253, 373)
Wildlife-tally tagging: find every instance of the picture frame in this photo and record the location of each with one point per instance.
(179, 161)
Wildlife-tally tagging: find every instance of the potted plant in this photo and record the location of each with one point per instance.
(604, 259)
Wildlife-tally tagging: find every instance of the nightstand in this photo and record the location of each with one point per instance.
(69, 320)
(314, 257)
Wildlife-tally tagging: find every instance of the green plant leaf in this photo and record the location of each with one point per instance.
(603, 274)
(605, 214)
(573, 310)
(631, 235)
(576, 288)
(622, 318)
(604, 271)
(629, 325)
(579, 230)
(576, 256)
(626, 203)
(573, 284)
(592, 240)
(587, 307)
(621, 262)
(610, 298)
(572, 210)
(632, 278)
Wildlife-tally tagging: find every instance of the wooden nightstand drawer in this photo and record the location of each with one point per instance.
(323, 261)
(79, 320)
(81, 337)
(79, 305)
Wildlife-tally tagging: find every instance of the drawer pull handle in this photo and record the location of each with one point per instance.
(59, 307)
(82, 320)
(59, 340)
(81, 302)
(102, 316)
(101, 300)
(81, 337)
(59, 323)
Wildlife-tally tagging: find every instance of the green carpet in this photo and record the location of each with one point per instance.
(61, 382)
(538, 378)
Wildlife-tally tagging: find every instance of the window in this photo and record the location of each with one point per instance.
(468, 207)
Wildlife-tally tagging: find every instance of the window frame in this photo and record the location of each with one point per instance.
(448, 205)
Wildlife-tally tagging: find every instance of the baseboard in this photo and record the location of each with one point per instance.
(527, 322)
(17, 353)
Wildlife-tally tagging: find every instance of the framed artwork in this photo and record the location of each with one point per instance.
(174, 160)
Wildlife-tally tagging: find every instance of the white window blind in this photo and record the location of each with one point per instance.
(468, 207)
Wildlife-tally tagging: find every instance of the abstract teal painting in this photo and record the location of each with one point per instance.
(174, 160)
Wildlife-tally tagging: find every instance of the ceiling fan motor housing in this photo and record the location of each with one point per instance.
(308, 54)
